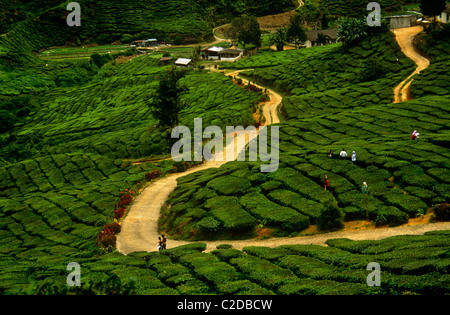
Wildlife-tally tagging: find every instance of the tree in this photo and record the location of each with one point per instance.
(196, 53)
(352, 31)
(246, 30)
(295, 33)
(279, 38)
(167, 102)
(310, 14)
(432, 8)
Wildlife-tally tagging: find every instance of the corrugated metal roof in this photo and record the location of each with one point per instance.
(183, 61)
(231, 51)
(216, 49)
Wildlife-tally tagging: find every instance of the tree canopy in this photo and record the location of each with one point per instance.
(167, 103)
(432, 7)
(295, 32)
(246, 30)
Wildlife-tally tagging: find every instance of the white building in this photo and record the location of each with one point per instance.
(231, 54)
(212, 53)
(313, 36)
(401, 21)
(183, 62)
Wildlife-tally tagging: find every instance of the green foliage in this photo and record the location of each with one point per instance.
(309, 13)
(246, 30)
(279, 39)
(166, 103)
(442, 212)
(330, 218)
(432, 8)
(295, 34)
(352, 31)
(110, 286)
(7, 121)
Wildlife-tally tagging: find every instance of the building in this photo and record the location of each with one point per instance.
(400, 21)
(231, 54)
(444, 17)
(183, 62)
(164, 61)
(212, 53)
(313, 36)
(152, 42)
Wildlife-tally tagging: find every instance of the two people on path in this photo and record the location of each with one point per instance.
(162, 242)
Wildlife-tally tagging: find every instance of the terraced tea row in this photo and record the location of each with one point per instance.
(409, 264)
(112, 117)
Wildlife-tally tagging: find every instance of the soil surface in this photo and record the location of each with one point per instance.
(405, 37)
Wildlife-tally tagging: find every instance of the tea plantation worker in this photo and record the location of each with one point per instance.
(354, 156)
(164, 241)
(326, 183)
(330, 155)
(343, 154)
(415, 135)
(365, 188)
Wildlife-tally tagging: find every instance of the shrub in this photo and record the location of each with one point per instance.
(118, 213)
(442, 212)
(114, 227)
(286, 218)
(107, 240)
(390, 215)
(330, 217)
(208, 223)
(230, 185)
(262, 271)
(352, 31)
(6, 121)
(125, 200)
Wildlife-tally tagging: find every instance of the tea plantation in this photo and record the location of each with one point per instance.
(405, 177)
(329, 103)
(78, 142)
(65, 164)
(409, 265)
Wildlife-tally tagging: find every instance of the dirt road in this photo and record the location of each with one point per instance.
(140, 227)
(405, 37)
(139, 230)
(270, 108)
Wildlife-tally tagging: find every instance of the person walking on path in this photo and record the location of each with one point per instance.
(164, 241)
(160, 244)
(326, 183)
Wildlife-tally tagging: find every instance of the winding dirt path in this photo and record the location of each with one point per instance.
(405, 37)
(271, 107)
(140, 227)
(139, 230)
